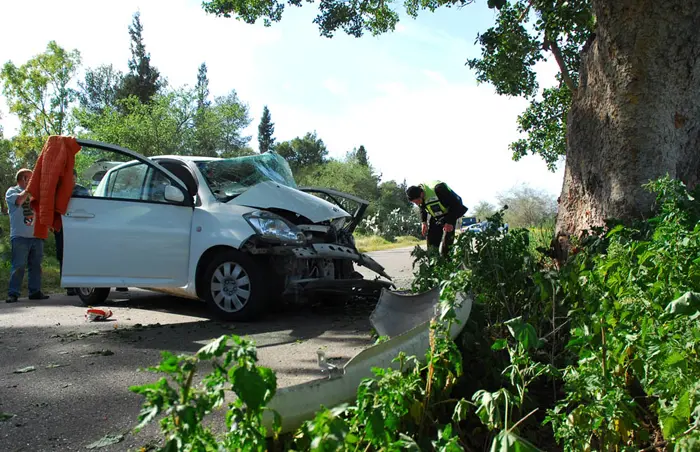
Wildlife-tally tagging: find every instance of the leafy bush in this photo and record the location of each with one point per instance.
(635, 333)
(392, 224)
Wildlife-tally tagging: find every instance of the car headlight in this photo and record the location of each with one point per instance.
(273, 227)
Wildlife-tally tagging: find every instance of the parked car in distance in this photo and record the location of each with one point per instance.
(466, 222)
(481, 227)
(236, 233)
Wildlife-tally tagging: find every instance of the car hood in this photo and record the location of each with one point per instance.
(271, 195)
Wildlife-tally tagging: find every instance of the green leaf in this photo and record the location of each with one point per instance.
(6, 416)
(500, 344)
(672, 426)
(616, 230)
(682, 410)
(524, 333)
(507, 441)
(213, 348)
(674, 358)
(251, 386)
(686, 304)
(24, 370)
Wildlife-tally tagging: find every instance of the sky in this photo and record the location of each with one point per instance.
(407, 96)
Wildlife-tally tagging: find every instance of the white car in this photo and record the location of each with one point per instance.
(237, 233)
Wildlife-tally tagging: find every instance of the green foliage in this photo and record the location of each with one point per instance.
(98, 90)
(142, 80)
(635, 331)
(38, 91)
(305, 153)
(266, 130)
(623, 367)
(544, 122)
(185, 407)
(172, 124)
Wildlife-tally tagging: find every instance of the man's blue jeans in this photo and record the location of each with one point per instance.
(26, 253)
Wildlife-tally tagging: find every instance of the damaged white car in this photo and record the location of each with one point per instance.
(236, 233)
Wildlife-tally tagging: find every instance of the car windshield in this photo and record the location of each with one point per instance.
(228, 178)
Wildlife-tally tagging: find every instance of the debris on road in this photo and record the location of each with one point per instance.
(98, 314)
(54, 365)
(74, 335)
(105, 441)
(99, 352)
(24, 370)
(6, 416)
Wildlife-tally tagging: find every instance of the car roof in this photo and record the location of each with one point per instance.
(191, 158)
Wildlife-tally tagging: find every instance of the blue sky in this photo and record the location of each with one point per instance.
(406, 96)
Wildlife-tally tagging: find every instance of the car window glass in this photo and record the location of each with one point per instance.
(155, 186)
(127, 183)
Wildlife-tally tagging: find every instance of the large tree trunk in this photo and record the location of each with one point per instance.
(636, 114)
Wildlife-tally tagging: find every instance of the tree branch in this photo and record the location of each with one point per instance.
(556, 51)
(525, 11)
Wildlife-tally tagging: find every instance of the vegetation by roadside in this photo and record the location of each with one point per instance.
(367, 243)
(598, 355)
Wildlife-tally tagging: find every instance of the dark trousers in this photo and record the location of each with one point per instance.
(58, 235)
(436, 236)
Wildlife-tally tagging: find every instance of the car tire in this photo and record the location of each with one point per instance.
(93, 296)
(234, 289)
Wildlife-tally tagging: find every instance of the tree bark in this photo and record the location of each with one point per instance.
(636, 114)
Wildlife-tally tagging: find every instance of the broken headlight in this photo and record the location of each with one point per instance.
(273, 227)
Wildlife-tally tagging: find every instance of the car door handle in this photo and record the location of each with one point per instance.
(80, 214)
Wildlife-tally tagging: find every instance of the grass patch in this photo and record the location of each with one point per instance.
(50, 278)
(369, 243)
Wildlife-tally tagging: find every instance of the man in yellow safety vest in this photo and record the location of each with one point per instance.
(445, 208)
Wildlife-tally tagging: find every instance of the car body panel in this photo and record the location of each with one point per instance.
(272, 195)
(139, 251)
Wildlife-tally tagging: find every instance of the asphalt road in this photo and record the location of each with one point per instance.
(78, 393)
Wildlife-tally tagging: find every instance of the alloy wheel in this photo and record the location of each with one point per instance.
(230, 287)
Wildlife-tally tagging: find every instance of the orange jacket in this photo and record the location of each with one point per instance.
(52, 183)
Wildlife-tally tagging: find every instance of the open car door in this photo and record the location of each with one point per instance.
(133, 230)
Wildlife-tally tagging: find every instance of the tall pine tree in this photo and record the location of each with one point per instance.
(143, 80)
(265, 130)
(202, 88)
(362, 156)
(205, 118)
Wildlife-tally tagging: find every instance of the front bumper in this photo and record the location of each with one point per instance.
(331, 251)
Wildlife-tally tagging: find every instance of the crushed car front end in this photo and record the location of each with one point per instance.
(304, 235)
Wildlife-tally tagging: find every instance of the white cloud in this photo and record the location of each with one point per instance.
(435, 77)
(335, 86)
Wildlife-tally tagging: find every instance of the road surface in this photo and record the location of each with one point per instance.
(78, 390)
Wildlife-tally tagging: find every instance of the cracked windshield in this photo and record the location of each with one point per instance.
(229, 178)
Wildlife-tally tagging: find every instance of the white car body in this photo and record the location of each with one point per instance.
(164, 245)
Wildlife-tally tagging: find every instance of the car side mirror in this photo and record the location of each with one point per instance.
(173, 194)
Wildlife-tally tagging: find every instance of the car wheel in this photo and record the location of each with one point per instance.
(233, 287)
(93, 296)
